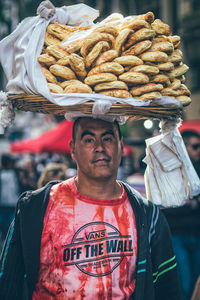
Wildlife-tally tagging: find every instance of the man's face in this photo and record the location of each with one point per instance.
(193, 148)
(97, 149)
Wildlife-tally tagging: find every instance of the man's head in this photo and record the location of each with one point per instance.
(192, 142)
(97, 148)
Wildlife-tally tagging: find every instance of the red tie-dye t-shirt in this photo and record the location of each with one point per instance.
(88, 247)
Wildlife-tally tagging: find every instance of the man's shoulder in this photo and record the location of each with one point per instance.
(32, 195)
(147, 207)
(135, 194)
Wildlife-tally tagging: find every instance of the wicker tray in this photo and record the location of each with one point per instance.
(39, 104)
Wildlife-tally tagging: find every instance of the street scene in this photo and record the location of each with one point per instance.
(99, 150)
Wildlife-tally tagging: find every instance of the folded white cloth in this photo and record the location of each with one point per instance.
(170, 177)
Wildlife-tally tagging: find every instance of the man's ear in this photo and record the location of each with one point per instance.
(122, 144)
(72, 149)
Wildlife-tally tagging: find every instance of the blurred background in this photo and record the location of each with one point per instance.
(28, 159)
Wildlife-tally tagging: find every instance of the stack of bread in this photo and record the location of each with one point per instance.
(134, 57)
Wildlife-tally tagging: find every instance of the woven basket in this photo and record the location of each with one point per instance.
(39, 104)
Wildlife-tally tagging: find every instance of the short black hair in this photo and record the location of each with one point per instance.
(77, 121)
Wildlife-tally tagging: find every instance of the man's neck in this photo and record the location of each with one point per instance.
(108, 189)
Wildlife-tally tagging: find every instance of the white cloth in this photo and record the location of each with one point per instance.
(7, 113)
(170, 178)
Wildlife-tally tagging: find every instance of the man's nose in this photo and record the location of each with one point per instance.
(99, 146)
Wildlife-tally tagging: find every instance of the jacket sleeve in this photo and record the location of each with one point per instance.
(11, 263)
(165, 277)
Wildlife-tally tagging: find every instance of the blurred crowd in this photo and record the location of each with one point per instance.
(27, 172)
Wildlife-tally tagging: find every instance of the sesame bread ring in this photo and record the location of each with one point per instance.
(99, 78)
(111, 85)
(55, 88)
(185, 100)
(135, 24)
(128, 60)
(162, 38)
(146, 88)
(62, 71)
(175, 39)
(94, 38)
(169, 92)
(162, 46)
(147, 69)
(107, 28)
(182, 78)
(149, 17)
(116, 93)
(150, 96)
(121, 39)
(95, 52)
(106, 57)
(57, 51)
(175, 84)
(138, 48)
(73, 46)
(78, 66)
(46, 59)
(49, 76)
(78, 88)
(50, 40)
(168, 66)
(134, 77)
(161, 28)
(160, 78)
(63, 61)
(61, 31)
(178, 71)
(183, 86)
(109, 67)
(138, 36)
(66, 83)
(183, 91)
(176, 56)
(58, 30)
(154, 56)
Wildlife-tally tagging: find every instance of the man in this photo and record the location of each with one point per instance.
(184, 223)
(90, 237)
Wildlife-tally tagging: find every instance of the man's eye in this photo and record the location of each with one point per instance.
(89, 140)
(108, 139)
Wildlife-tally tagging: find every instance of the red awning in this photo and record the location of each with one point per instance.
(190, 125)
(55, 140)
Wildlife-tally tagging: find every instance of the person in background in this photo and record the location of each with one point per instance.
(126, 166)
(9, 192)
(184, 223)
(91, 236)
(191, 139)
(27, 173)
(136, 180)
(52, 171)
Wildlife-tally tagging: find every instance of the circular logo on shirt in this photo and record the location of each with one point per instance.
(97, 248)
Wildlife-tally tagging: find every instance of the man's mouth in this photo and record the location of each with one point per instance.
(102, 159)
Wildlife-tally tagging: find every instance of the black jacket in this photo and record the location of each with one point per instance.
(156, 274)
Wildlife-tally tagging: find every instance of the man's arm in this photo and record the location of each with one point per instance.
(11, 264)
(165, 277)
